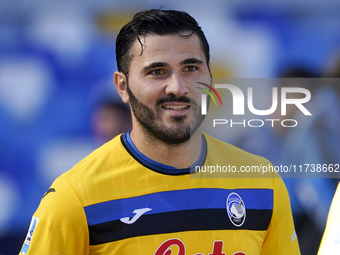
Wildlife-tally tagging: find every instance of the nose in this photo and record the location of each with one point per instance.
(177, 85)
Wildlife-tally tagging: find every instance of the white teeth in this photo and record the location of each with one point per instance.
(175, 107)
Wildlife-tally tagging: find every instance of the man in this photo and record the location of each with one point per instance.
(134, 195)
(330, 243)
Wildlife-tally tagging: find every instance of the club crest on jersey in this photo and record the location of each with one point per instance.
(236, 209)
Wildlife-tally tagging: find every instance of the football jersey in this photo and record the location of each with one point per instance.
(118, 201)
(330, 243)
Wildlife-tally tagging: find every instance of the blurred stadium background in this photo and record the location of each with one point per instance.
(58, 103)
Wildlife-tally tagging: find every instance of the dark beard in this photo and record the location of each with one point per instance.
(153, 125)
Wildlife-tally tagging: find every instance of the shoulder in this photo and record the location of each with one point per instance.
(98, 173)
(231, 152)
(110, 153)
(230, 162)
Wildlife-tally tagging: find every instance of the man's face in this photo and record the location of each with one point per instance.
(159, 86)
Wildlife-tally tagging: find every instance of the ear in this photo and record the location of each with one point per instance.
(120, 82)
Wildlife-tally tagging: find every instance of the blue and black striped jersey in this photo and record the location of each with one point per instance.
(118, 201)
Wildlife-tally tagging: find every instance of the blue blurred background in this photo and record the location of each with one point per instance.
(58, 102)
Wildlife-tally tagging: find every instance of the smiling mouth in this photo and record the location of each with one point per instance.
(176, 107)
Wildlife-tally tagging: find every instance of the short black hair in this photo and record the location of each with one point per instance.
(155, 22)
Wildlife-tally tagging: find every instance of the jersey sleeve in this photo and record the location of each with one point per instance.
(330, 243)
(59, 225)
(281, 236)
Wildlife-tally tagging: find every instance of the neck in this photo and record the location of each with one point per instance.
(179, 156)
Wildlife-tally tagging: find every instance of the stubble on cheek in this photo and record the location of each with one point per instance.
(171, 130)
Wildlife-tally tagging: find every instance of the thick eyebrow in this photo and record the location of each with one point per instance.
(155, 65)
(164, 64)
(191, 61)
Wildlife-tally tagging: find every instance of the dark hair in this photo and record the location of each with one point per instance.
(155, 22)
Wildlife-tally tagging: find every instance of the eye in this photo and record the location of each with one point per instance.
(191, 68)
(157, 72)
